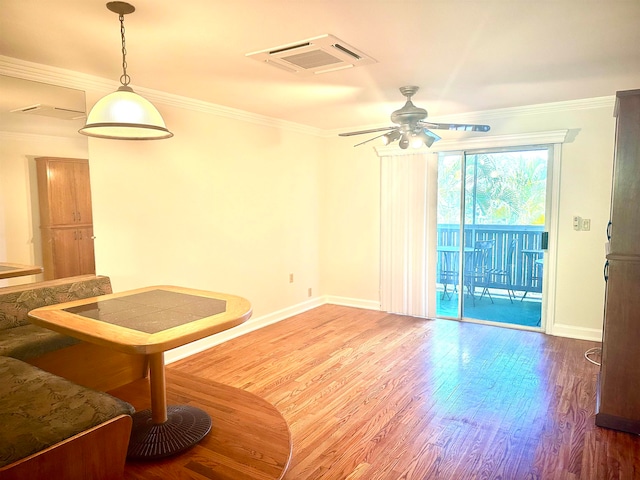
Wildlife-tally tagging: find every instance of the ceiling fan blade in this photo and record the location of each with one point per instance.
(373, 130)
(373, 138)
(467, 127)
(432, 135)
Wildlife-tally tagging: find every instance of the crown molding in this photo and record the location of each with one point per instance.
(36, 72)
(37, 137)
(538, 109)
(68, 78)
(14, 67)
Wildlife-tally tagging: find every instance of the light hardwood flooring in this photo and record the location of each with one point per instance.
(369, 395)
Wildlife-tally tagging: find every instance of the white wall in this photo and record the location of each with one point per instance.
(20, 240)
(350, 211)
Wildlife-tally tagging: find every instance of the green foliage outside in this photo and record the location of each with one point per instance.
(509, 188)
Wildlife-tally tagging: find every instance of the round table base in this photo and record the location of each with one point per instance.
(185, 426)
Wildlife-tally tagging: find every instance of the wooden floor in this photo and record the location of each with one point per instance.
(249, 437)
(369, 395)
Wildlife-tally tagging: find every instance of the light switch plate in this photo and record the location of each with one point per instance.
(577, 223)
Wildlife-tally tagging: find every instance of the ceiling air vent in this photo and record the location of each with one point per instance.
(50, 111)
(322, 54)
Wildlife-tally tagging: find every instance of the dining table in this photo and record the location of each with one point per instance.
(150, 321)
(11, 270)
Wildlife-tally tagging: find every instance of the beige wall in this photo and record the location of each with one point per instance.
(350, 223)
(224, 205)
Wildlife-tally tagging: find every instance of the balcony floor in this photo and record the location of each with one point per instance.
(525, 313)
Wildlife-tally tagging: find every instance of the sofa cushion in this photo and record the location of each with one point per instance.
(17, 302)
(29, 341)
(38, 409)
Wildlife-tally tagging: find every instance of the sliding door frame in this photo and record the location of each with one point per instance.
(550, 226)
(551, 139)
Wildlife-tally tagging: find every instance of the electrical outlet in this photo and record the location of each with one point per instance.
(291, 278)
(310, 292)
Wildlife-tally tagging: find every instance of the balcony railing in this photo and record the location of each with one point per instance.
(525, 270)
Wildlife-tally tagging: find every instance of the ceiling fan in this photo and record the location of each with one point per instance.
(411, 127)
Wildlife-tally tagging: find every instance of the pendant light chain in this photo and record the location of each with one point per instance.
(124, 79)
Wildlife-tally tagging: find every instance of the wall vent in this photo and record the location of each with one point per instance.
(322, 54)
(50, 111)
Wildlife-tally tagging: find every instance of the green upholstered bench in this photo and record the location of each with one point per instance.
(83, 363)
(53, 428)
(22, 340)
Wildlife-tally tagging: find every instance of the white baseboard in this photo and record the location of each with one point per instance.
(353, 302)
(249, 326)
(581, 333)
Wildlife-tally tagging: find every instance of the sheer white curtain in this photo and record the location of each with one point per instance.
(408, 233)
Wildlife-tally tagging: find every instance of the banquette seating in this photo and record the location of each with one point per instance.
(56, 422)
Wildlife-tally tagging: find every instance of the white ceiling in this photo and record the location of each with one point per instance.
(466, 55)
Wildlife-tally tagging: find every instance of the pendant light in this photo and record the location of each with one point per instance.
(123, 114)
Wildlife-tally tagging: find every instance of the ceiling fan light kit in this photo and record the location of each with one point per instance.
(123, 114)
(411, 127)
(390, 137)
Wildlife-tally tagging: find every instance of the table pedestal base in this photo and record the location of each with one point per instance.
(185, 426)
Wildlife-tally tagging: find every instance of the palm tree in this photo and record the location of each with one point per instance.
(506, 188)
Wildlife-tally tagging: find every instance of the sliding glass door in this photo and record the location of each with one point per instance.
(492, 213)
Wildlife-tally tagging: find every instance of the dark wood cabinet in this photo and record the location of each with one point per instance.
(66, 220)
(619, 381)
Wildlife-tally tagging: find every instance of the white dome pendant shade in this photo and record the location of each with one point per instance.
(123, 114)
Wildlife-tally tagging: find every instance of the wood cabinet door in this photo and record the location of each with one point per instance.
(66, 259)
(72, 251)
(82, 188)
(620, 370)
(61, 193)
(625, 214)
(86, 254)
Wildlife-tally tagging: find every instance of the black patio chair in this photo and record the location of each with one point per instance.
(448, 273)
(478, 269)
(504, 276)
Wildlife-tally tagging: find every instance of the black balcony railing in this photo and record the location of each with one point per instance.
(524, 268)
